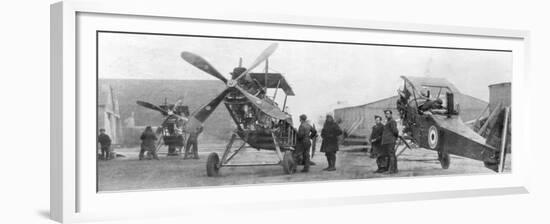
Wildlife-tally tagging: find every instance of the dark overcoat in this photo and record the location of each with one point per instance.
(148, 141)
(104, 140)
(390, 133)
(330, 134)
(376, 137)
(376, 134)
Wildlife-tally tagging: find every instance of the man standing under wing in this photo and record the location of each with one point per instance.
(303, 143)
(192, 145)
(389, 137)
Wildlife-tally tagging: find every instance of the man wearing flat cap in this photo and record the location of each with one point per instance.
(389, 137)
(376, 145)
(303, 141)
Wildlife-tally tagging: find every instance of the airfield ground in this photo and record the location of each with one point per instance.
(129, 173)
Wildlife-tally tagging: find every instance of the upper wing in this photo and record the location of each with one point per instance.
(264, 106)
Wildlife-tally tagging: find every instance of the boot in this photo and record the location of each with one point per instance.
(329, 164)
(306, 168)
(393, 165)
(154, 155)
(332, 163)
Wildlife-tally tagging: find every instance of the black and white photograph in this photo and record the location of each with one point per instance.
(275, 112)
(183, 110)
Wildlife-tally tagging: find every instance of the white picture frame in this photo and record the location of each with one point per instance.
(73, 198)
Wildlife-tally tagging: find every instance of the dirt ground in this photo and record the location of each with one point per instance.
(129, 173)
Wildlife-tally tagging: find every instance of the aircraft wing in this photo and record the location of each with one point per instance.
(455, 124)
(460, 140)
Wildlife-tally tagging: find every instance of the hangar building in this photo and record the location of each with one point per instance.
(108, 113)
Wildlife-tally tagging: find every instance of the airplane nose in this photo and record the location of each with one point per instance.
(231, 83)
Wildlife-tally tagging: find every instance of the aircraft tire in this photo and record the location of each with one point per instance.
(212, 168)
(289, 165)
(434, 137)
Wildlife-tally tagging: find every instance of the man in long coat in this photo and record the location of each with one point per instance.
(329, 146)
(389, 137)
(148, 143)
(376, 145)
(303, 141)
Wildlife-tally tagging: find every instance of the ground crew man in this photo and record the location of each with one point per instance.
(329, 146)
(171, 124)
(376, 145)
(193, 145)
(105, 143)
(148, 142)
(389, 137)
(303, 141)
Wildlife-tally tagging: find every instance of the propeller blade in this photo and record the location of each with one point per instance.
(199, 116)
(263, 56)
(152, 107)
(202, 64)
(264, 106)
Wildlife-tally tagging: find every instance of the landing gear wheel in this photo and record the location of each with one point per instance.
(444, 159)
(212, 165)
(289, 166)
(433, 137)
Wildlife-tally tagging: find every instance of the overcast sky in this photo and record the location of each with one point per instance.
(320, 74)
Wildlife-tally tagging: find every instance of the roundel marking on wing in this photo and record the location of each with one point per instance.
(433, 137)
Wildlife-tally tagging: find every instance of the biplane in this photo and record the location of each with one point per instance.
(172, 127)
(431, 120)
(261, 124)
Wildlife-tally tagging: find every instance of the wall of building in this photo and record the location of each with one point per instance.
(500, 93)
(108, 116)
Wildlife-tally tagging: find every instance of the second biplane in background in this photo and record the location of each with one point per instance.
(171, 128)
(431, 120)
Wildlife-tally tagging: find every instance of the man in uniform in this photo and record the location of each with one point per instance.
(105, 142)
(389, 137)
(193, 145)
(303, 143)
(376, 144)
